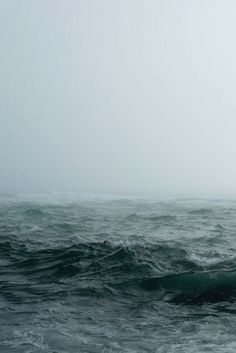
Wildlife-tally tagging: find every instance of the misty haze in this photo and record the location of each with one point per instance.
(127, 96)
(117, 176)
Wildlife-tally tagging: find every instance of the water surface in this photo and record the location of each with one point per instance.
(116, 274)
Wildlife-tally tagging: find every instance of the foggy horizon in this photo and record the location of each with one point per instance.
(117, 176)
(118, 97)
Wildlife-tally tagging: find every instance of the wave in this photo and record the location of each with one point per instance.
(34, 212)
(98, 254)
(196, 287)
(120, 269)
(201, 212)
(165, 219)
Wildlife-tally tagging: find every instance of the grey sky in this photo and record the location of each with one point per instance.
(128, 95)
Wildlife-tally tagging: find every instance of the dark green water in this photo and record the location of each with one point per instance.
(115, 274)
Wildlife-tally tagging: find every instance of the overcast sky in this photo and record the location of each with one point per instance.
(118, 96)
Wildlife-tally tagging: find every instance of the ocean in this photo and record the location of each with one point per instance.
(110, 273)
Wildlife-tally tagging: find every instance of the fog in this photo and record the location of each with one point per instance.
(118, 96)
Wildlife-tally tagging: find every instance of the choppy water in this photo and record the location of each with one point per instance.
(116, 274)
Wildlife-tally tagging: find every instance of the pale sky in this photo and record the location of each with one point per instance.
(118, 96)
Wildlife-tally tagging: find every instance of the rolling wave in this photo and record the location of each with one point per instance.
(196, 287)
(155, 268)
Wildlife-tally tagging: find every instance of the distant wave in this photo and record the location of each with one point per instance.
(35, 212)
(153, 218)
(201, 211)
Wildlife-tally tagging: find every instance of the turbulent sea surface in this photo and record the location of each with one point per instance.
(117, 274)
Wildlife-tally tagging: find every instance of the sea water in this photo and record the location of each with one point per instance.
(92, 273)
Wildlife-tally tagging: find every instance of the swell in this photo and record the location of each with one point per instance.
(156, 218)
(88, 258)
(196, 287)
(201, 211)
(115, 269)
